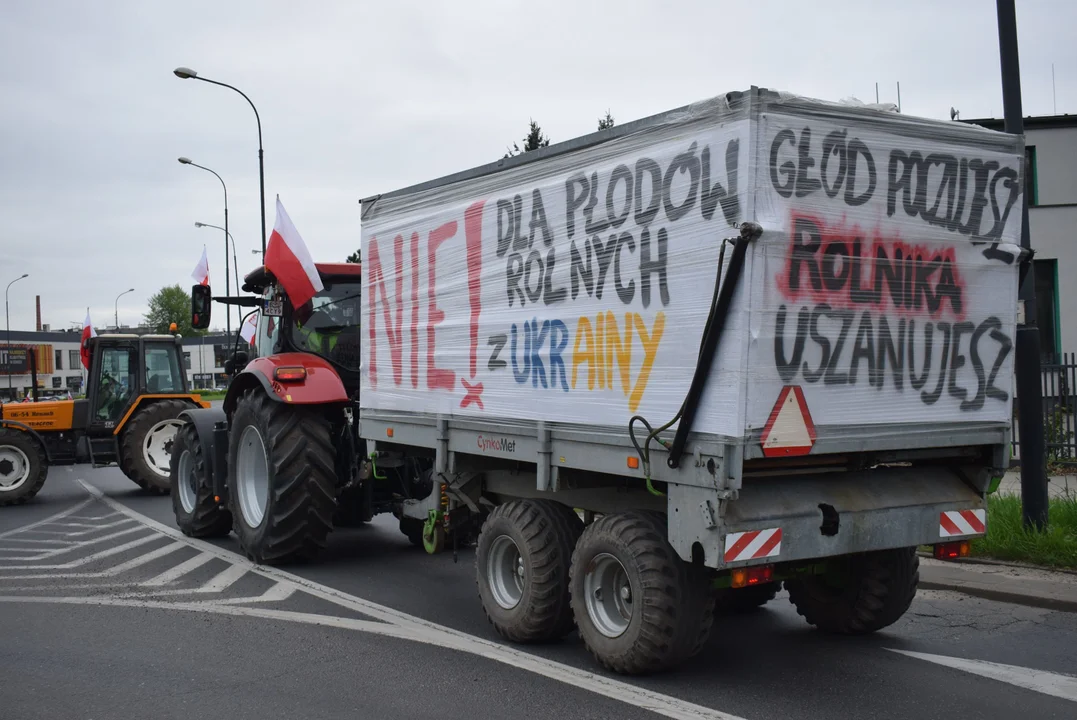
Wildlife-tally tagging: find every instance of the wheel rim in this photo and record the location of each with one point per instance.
(252, 476)
(609, 595)
(188, 488)
(505, 572)
(157, 446)
(14, 468)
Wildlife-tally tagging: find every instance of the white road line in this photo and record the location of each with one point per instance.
(175, 573)
(93, 517)
(43, 554)
(40, 541)
(410, 627)
(109, 572)
(223, 579)
(657, 703)
(277, 593)
(88, 559)
(1042, 681)
(46, 521)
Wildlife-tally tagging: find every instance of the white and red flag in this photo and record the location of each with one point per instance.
(201, 270)
(290, 262)
(249, 329)
(87, 333)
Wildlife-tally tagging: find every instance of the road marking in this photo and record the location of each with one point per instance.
(1042, 681)
(173, 574)
(60, 551)
(109, 572)
(49, 519)
(277, 593)
(88, 559)
(397, 624)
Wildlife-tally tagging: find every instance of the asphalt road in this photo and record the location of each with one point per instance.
(105, 612)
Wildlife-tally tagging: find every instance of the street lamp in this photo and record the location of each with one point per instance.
(189, 74)
(227, 289)
(116, 308)
(7, 322)
(235, 262)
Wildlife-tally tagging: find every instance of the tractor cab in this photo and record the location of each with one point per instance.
(329, 325)
(124, 369)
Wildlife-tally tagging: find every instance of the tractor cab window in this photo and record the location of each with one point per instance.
(329, 325)
(117, 384)
(163, 372)
(265, 340)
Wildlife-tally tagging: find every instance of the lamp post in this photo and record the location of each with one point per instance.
(227, 288)
(116, 307)
(1034, 498)
(188, 74)
(235, 261)
(7, 323)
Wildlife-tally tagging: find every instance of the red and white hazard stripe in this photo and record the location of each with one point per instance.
(753, 545)
(954, 523)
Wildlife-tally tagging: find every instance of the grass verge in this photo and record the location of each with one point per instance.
(1007, 538)
(206, 395)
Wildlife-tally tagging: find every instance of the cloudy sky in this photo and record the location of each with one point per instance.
(361, 97)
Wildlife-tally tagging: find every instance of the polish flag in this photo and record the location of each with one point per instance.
(87, 333)
(201, 271)
(290, 262)
(249, 329)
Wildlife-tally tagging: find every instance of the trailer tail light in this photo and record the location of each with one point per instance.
(633, 462)
(759, 575)
(388, 432)
(952, 550)
(290, 374)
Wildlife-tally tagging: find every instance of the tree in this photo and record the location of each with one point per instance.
(607, 122)
(356, 257)
(532, 141)
(171, 305)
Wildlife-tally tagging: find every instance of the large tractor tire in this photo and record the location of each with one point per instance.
(23, 466)
(197, 514)
(146, 445)
(522, 568)
(282, 483)
(862, 593)
(639, 607)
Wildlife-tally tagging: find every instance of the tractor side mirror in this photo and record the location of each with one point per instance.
(236, 363)
(201, 300)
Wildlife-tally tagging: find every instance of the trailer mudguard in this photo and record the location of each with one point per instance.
(321, 386)
(204, 421)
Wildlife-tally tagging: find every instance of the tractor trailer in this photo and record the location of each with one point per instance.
(658, 371)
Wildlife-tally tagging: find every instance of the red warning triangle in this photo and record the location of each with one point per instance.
(789, 430)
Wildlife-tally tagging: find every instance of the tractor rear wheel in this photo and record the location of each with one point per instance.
(146, 445)
(23, 466)
(197, 514)
(282, 483)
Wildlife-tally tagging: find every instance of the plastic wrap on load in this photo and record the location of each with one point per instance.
(575, 287)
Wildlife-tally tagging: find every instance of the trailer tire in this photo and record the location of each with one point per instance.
(878, 588)
(522, 569)
(146, 445)
(282, 483)
(197, 514)
(743, 600)
(412, 528)
(639, 607)
(24, 466)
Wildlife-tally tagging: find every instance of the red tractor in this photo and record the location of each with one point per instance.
(281, 463)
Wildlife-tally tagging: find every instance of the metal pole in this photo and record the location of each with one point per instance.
(116, 308)
(227, 281)
(235, 261)
(1027, 354)
(7, 325)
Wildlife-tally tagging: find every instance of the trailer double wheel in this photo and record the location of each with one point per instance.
(639, 608)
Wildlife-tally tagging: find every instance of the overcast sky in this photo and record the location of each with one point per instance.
(361, 97)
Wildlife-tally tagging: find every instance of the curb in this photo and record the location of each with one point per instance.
(1027, 591)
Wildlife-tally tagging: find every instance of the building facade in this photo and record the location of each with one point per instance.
(59, 364)
(1051, 154)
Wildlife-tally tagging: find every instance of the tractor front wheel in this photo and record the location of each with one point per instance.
(146, 445)
(23, 466)
(197, 513)
(282, 484)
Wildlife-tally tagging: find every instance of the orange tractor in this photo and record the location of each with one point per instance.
(137, 390)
